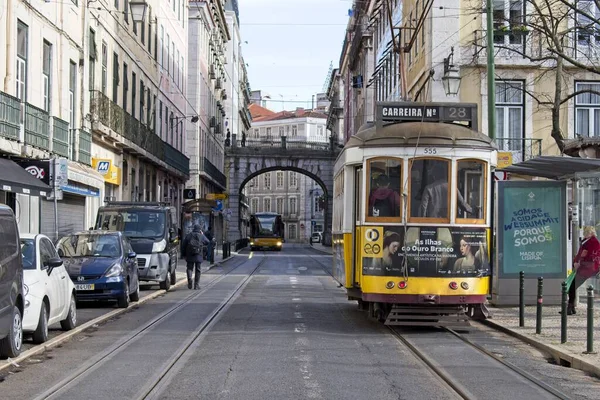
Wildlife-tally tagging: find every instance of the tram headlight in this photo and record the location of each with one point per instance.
(389, 285)
(464, 285)
(402, 285)
(453, 285)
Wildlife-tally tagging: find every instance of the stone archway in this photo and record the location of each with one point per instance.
(245, 163)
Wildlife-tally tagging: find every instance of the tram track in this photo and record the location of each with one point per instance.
(454, 383)
(104, 357)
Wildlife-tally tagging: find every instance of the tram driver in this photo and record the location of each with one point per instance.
(434, 202)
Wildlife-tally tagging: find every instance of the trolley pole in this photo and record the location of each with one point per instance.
(540, 302)
(590, 320)
(522, 299)
(563, 314)
(491, 71)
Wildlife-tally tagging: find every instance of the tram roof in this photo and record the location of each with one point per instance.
(405, 134)
(555, 167)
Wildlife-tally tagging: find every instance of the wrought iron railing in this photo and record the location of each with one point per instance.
(60, 137)
(85, 147)
(37, 127)
(287, 144)
(214, 172)
(521, 149)
(10, 116)
(175, 158)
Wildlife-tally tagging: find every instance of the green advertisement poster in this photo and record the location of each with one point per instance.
(532, 228)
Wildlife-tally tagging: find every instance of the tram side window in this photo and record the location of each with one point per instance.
(471, 189)
(384, 188)
(429, 188)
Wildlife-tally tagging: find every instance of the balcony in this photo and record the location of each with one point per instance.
(510, 47)
(10, 112)
(85, 147)
(37, 127)
(144, 140)
(212, 171)
(60, 137)
(521, 149)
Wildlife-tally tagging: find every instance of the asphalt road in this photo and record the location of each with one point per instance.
(288, 332)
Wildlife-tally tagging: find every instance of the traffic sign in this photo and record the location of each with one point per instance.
(500, 176)
(217, 196)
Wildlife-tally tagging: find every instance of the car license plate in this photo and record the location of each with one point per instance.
(84, 287)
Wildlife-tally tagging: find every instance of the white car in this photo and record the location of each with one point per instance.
(49, 292)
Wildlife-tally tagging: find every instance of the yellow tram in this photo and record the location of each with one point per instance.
(412, 214)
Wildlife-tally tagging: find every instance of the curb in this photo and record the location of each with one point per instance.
(560, 356)
(322, 251)
(63, 337)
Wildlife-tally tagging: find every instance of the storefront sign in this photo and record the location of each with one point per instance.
(425, 251)
(80, 190)
(505, 159)
(108, 170)
(531, 228)
(38, 169)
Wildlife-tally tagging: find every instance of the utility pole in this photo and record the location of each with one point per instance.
(491, 71)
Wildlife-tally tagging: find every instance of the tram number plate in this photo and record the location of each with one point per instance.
(430, 150)
(84, 286)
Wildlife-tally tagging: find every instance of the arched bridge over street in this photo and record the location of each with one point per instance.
(242, 163)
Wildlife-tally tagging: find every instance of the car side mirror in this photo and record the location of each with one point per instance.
(172, 235)
(131, 254)
(52, 263)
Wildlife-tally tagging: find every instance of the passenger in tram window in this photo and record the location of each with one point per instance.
(391, 245)
(384, 201)
(434, 203)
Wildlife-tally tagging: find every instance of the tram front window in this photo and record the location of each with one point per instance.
(429, 188)
(384, 188)
(471, 189)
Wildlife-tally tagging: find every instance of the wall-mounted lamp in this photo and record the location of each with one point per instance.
(451, 78)
(193, 118)
(138, 11)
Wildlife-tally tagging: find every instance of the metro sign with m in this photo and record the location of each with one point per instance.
(103, 167)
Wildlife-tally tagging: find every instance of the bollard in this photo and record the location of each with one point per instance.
(540, 301)
(563, 314)
(522, 299)
(590, 320)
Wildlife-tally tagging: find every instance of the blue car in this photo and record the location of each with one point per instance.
(102, 265)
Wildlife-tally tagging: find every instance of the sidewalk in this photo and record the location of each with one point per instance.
(324, 249)
(570, 353)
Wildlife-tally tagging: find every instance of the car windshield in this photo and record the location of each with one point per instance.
(89, 245)
(28, 253)
(133, 223)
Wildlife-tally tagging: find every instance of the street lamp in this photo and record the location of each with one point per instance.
(193, 119)
(138, 10)
(451, 78)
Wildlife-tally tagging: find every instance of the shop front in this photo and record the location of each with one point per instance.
(112, 176)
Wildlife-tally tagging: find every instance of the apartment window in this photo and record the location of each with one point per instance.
(292, 231)
(172, 60)
(160, 118)
(126, 85)
(115, 79)
(143, 32)
(320, 130)
(171, 119)
(126, 12)
(279, 179)
(22, 48)
(267, 204)
(269, 133)
(168, 59)
(281, 131)
(46, 73)
(125, 173)
(117, 4)
(142, 101)
(509, 16)
(293, 201)
(279, 206)
(72, 91)
(588, 32)
(93, 56)
(104, 67)
(166, 132)
(293, 179)
(317, 201)
(133, 93)
(162, 46)
(254, 206)
(176, 60)
(587, 110)
(256, 133)
(294, 130)
(182, 72)
(268, 180)
(510, 107)
(151, 106)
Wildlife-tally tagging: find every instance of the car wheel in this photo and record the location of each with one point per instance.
(123, 301)
(71, 321)
(135, 296)
(41, 333)
(10, 346)
(173, 277)
(166, 284)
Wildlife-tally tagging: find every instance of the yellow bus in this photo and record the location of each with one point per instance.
(266, 231)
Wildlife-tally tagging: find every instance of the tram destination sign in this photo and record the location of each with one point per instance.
(428, 112)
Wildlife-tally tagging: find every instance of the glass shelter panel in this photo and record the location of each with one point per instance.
(385, 177)
(470, 197)
(429, 181)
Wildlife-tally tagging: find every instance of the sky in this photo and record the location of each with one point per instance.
(290, 45)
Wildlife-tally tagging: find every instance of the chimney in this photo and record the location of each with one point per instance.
(299, 111)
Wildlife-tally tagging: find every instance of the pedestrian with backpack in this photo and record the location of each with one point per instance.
(193, 245)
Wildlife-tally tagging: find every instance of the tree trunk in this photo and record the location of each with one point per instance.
(556, 132)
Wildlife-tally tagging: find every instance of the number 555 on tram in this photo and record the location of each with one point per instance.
(412, 214)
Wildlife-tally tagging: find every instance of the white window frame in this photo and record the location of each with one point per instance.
(588, 34)
(293, 205)
(589, 104)
(279, 179)
(267, 204)
(292, 231)
(47, 75)
(21, 78)
(254, 205)
(294, 130)
(279, 205)
(504, 106)
(281, 131)
(293, 179)
(267, 180)
(509, 39)
(256, 133)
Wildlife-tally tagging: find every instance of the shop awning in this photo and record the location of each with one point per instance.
(554, 167)
(15, 179)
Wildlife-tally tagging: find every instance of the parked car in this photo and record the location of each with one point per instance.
(49, 294)
(315, 237)
(11, 286)
(102, 265)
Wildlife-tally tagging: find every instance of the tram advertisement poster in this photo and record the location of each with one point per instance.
(426, 251)
(531, 228)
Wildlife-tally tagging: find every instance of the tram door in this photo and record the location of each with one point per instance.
(356, 213)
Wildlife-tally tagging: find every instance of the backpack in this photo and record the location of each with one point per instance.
(194, 246)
